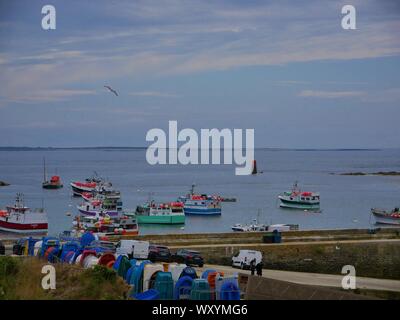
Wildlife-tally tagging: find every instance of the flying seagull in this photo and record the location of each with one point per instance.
(112, 90)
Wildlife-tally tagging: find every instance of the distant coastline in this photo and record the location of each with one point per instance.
(12, 148)
(380, 173)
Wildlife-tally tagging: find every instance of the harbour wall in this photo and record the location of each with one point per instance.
(373, 252)
(371, 258)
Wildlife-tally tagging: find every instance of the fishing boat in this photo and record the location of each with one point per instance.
(89, 185)
(53, 183)
(196, 204)
(101, 192)
(256, 227)
(161, 213)
(79, 187)
(104, 225)
(21, 219)
(217, 197)
(202, 205)
(101, 205)
(391, 217)
(297, 199)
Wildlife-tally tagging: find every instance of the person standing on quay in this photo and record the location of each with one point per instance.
(253, 266)
(259, 268)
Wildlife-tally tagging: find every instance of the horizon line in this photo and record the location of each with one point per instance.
(38, 148)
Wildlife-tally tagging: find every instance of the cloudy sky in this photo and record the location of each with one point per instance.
(285, 68)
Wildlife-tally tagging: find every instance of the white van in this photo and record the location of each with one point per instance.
(244, 257)
(134, 249)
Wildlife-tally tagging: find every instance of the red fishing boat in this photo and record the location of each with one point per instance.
(21, 219)
(53, 183)
(89, 185)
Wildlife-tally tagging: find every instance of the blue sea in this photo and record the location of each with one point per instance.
(345, 200)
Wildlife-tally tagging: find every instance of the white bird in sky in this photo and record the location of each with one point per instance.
(112, 90)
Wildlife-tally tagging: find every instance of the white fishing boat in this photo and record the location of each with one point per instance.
(89, 185)
(253, 227)
(105, 225)
(297, 199)
(107, 206)
(382, 216)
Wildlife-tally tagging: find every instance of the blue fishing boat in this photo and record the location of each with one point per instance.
(196, 204)
(202, 205)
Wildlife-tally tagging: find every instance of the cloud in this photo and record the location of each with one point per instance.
(383, 96)
(331, 94)
(154, 94)
(375, 96)
(48, 95)
(153, 39)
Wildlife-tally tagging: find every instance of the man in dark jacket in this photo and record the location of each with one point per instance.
(253, 266)
(259, 267)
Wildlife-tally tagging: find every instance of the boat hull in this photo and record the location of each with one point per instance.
(203, 211)
(385, 219)
(52, 186)
(23, 227)
(166, 219)
(78, 190)
(298, 205)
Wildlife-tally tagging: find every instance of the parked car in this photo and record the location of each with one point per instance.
(2, 249)
(159, 253)
(189, 257)
(244, 257)
(19, 246)
(133, 249)
(101, 246)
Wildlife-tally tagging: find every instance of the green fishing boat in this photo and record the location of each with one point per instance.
(164, 213)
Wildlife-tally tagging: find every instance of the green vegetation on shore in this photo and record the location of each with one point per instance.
(20, 278)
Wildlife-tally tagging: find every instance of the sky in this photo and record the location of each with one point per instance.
(286, 69)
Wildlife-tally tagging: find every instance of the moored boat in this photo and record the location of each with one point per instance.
(89, 185)
(104, 225)
(297, 199)
(386, 217)
(162, 213)
(202, 205)
(101, 192)
(53, 183)
(101, 205)
(79, 187)
(196, 204)
(21, 219)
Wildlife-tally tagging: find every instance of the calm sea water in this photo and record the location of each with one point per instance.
(345, 200)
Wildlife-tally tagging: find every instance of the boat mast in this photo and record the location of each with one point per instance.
(44, 170)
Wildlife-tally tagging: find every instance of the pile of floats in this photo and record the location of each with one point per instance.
(148, 281)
